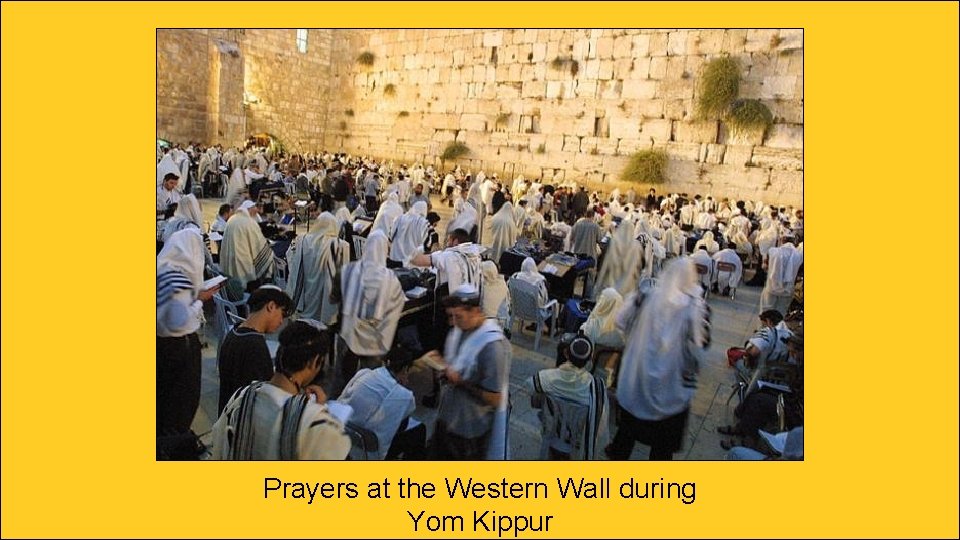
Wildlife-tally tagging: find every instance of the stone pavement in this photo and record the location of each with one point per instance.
(733, 322)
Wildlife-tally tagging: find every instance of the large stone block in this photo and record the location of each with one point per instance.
(677, 43)
(606, 69)
(737, 155)
(630, 146)
(714, 153)
(658, 68)
(473, 122)
(639, 89)
(533, 89)
(610, 90)
(571, 143)
(760, 40)
(778, 87)
(734, 41)
(786, 159)
(624, 128)
(641, 45)
(699, 132)
(675, 89)
(684, 151)
(658, 44)
(622, 47)
(785, 136)
(659, 131)
(605, 47)
(554, 89)
(591, 69)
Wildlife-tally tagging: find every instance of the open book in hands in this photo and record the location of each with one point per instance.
(433, 360)
(213, 282)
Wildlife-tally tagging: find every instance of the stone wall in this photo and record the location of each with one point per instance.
(220, 86)
(572, 103)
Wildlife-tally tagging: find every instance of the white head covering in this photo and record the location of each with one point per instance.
(313, 262)
(183, 252)
(189, 209)
(361, 295)
(529, 273)
(503, 229)
(387, 216)
(601, 325)
(708, 242)
(410, 234)
(344, 216)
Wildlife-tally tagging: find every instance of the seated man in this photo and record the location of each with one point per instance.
(767, 344)
(566, 385)
(382, 404)
(727, 279)
(276, 419)
(244, 357)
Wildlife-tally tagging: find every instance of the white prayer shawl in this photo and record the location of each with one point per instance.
(743, 244)
(313, 263)
(503, 230)
(703, 258)
(784, 263)
(236, 188)
(344, 216)
(622, 261)
(664, 347)
(767, 237)
(708, 242)
(739, 224)
(250, 175)
(519, 216)
(688, 214)
(458, 265)
(166, 198)
(724, 278)
(486, 192)
(673, 240)
(403, 191)
(462, 358)
(204, 166)
(466, 219)
(518, 183)
(179, 276)
(706, 221)
(165, 167)
(495, 297)
(601, 325)
(534, 223)
(372, 300)
(529, 273)
(388, 215)
(410, 234)
(245, 254)
(188, 214)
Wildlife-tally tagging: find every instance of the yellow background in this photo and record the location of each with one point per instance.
(77, 273)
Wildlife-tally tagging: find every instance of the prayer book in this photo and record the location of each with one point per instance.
(416, 292)
(213, 282)
(432, 362)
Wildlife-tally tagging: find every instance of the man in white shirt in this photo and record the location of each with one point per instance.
(167, 193)
(383, 405)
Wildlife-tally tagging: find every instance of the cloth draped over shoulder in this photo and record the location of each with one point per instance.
(503, 229)
(622, 261)
(245, 253)
(410, 234)
(372, 300)
(314, 262)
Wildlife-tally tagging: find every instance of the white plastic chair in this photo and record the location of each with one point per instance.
(525, 306)
(229, 313)
(729, 268)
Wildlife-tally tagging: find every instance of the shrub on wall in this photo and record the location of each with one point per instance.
(719, 86)
(646, 166)
(749, 115)
(366, 58)
(454, 150)
(403, 114)
(561, 63)
(389, 90)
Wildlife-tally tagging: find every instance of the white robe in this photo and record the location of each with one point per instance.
(245, 254)
(313, 263)
(387, 216)
(410, 234)
(372, 300)
(621, 262)
(728, 279)
(503, 230)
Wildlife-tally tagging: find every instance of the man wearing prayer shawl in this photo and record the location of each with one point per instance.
(275, 419)
(314, 262)
(473, 409)
(179, 315)
(601, 326)
(387, 216)
(529, 273)
(783, 263)
(708, 242)
(409, 236)
(622, 261)
(495, 297)
(372, 302)
(657, 381)
(726, 280)
(466, 219)
(573, 405)
(167, 193)
(188, 214)
(166, 166)
(702, 258)
(245, 253)
(503, 231)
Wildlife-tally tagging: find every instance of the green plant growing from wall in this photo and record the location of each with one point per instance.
(390, 90)
(343, 125)
(454, 150)
(646, 166)
(403, 114)
(749, 115)
(542, 149)
(594, 151)
(502, 119)
(366, 58)
(719, 86)
(348, 112)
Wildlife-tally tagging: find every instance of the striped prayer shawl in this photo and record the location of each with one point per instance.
(240, 427)
(290, 426)
(264, 258)
(168, 283)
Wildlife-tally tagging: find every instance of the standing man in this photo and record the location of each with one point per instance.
(371, 192)
(471, 419)
(584, 240)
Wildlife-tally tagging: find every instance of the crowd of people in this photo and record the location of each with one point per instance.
(651, 262)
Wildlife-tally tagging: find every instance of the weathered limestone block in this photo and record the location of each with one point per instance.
(758, 40)
(715, 153)
(607, 147)
(571, 143)
(629, 146)
(787, 111)
(605, 47)
(737, 155)
(699, 132)
(622, 47)
(684, 151)
(658, 67)
(787, 159)
(677, 109)
(659, 131)
(533, 89)
(624, 128)
(493, 39)
(473, 122)
(610, 90)
(591, 69)
(587, 89)
(639, 89)
(554, 142)
(747, 138)
(605, 71)
(785, 136)
(677, 43)
(554, 89)
(658, 44)
(539, 52)
(679, 173)
(675, 89)
(734, 41)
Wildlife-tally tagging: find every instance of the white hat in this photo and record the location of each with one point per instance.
(247, 204)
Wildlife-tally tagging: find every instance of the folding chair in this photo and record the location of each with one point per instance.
(364, 442)
(525, 306)
(730, 268)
